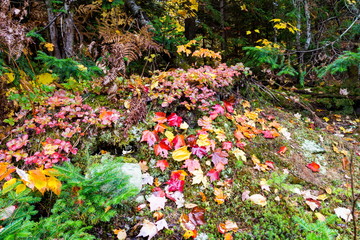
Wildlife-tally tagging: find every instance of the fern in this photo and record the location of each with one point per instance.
(66, 68)
(342, 63)
(318, 230)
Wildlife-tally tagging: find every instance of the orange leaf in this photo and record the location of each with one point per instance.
(5, 170)
(228, 236)
(282, 150)
(313, 166)
(219, 195)
(38, 178)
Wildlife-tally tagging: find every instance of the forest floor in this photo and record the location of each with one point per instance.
(262, 172)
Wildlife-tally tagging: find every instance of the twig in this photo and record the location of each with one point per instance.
(329, 43)
(51, 22)
(353, 198)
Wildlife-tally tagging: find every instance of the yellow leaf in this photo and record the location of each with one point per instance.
(219, 195)
(38, 178)
(170, 136)
(45, 78)
(275, 20)
(20, 188)
(8, 185)
(322, 197)
(49, 46)
(239, 154)
(54, 185)
(243, 7)
(10, 76)
(181, 154)
(257, 30)
(326, 119)
(248, 32)
(203, 140)
(320, 217)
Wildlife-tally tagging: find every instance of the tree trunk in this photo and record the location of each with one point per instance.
(190, 28)
(68, 30)
(52, 29)
(222, 25)
(137, 12)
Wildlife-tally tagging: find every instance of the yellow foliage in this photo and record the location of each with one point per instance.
(49, 46)
(45, 78)
(181, 154)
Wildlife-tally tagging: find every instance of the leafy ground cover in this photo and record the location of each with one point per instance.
(179, 155)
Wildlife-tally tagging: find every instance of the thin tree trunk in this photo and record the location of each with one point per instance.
(52, 29)
(68, 32)
(308, 25)
(222, 25)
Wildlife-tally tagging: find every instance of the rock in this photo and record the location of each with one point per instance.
(312, 147)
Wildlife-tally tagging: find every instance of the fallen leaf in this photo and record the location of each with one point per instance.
(228, 226)
(120, 234)
(150, 137)
(161, 224)
(148, 229)
(197, 216)
(344, 213)
(282, 150)
(160, 151)
(178, 141)
(160, 117)
(313, 166)
(7, 212)
(213, 174)
(228, 236)
(320, 217)
(313, 204)
(158, 215)
(264, 185)
(190, 233)
(245, 195)
(162, 164)
(174, 120)
(143, 166)
(258, 199)
(181, 154)
(191, 165)
(199, 178)
(239, 154)
(219, 196)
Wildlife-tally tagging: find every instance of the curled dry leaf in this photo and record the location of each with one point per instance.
(120, 234)
(344, 213)
(258, 199)
(228, 226)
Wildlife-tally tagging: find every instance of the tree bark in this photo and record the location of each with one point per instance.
(137, 12)
(52, 29)
(222, 25)
(68, 32)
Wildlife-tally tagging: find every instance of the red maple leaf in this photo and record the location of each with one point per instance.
(282, 150)
(213, 174)
(229, 106)
(191, 140)
(165, 144)
(149, 136)
(178, 141)
(160, 151)
(198, 151)
(313, 166)
(270, 164)
(160, 127)
(162, 164)
(160, 117)
(174, 120)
